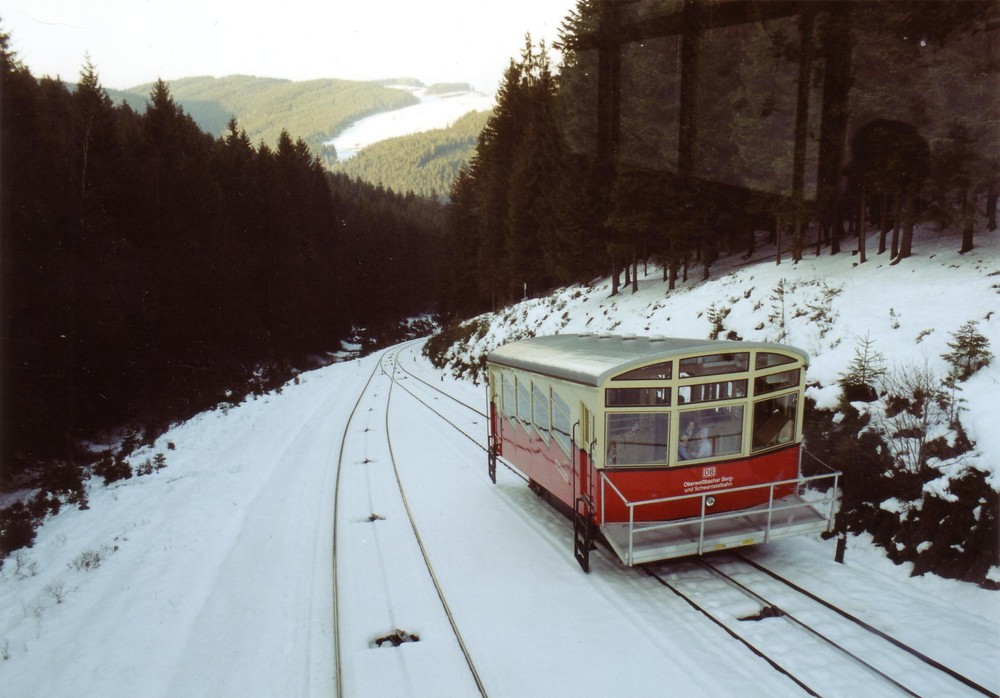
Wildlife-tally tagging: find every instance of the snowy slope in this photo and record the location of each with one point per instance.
(214, 575)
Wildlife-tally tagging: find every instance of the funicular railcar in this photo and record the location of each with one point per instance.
(666, 447)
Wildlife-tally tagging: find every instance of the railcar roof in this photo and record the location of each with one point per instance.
(592, 359)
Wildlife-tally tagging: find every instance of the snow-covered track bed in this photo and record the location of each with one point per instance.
(769, 614)
(395, 634)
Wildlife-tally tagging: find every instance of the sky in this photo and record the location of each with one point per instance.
(132, 42)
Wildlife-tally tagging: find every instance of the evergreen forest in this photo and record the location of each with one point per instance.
(674, 131)
(151, 270)
(424, 163)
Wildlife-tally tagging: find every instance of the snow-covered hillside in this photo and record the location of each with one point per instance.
(213, 576)
(825, 305)
(433, 112)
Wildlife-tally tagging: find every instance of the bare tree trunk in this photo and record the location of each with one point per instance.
(635, 271)
(777, 240)
(897, 216)
(991, 207)
(883, 222)
(909, 220)
(968, 222)
(614, 274)
(861, 227)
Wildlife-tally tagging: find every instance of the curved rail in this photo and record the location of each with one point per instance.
(390, 355)
(459, 429)
(336, 506)
(423, 550)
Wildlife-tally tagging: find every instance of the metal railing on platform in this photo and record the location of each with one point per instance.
(823, 505)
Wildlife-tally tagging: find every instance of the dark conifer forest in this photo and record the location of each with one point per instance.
(675, 130)
(150, 270)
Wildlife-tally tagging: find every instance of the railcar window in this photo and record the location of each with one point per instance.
(636, 397)
(776, 381)
(637, 438)
(709, 392)
(661, 371)
(774, 421)
(541, 407)
(509, 401)
(712, 364)
(710, 433)
(766, 359)
(561, 425)
(523, 402)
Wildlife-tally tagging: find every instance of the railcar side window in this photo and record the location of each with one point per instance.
(637, 438)
(709, 392)
(774, 421)
(560, 423)
(541, 408)
(523, 402)
(657, 372)
(710, 433)
(766, 359)
(713, 364)
(636, 397)
(509, 401)
(776, 381)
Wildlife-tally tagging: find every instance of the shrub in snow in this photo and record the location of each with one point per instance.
(19, 521)
(113, 468)
(969, 351)
(867, 367)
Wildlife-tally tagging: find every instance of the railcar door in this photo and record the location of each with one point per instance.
(583, 490)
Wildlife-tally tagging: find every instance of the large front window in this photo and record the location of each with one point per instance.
(637, 438)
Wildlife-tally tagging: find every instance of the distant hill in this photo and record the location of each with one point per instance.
(317, 110)
(313, 110)
(425, 163)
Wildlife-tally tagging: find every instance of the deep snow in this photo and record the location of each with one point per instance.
(215, 574)
(433, 112)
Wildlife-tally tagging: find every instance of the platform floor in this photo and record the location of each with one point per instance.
(653, 541)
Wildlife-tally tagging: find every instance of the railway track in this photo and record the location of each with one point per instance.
(769, 615)
(819, 648)
(382, 566)
(430, 396)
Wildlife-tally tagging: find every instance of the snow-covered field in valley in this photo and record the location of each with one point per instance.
(215, 575)
(433, 112)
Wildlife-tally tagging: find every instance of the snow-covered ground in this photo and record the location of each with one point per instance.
(214, 576)
(433, 112)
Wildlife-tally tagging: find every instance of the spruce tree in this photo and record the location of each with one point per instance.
(969, 351)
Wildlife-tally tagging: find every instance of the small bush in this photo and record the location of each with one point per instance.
(17, 528)
(969, 352)
(113, 468)
(88, 560)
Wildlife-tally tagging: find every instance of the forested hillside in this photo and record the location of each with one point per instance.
(313, 110)
(150, 270)
(673, 130)
(423, 163)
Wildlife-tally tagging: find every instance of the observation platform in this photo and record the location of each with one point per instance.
(784, 517)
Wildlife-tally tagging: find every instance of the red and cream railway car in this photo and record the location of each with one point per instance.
(667, 447)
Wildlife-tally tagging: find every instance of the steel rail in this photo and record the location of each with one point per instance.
(339, 686)
(805, 626)
(870, 628)
(420, 543)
